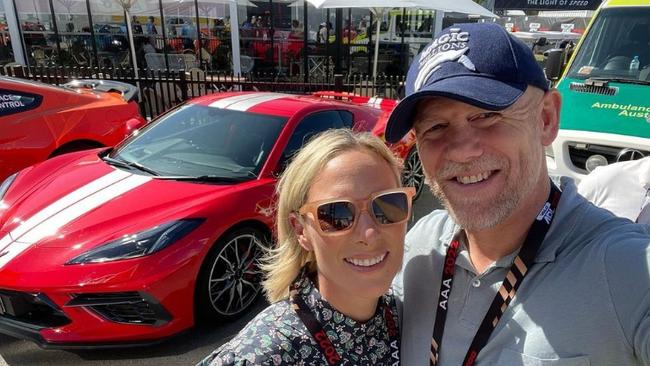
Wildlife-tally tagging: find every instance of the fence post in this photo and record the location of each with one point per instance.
(18, 71)
(338, 82)
(183, 84)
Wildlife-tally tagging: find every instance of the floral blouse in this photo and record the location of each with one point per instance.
(277, 336)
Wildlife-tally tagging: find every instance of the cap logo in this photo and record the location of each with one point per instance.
(448, 47)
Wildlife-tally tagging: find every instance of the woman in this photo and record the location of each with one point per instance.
(341, 224)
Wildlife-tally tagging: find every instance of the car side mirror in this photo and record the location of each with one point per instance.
(554, 63)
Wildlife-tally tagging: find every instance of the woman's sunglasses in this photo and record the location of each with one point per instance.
(339, 215)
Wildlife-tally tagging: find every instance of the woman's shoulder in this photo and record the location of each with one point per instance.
(269, 339)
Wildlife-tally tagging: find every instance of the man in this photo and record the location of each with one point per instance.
(515, 272)
(151, 26)
(135, 24)
(622, 188)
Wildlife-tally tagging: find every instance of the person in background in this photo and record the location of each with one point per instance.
(148, 47)
(135, 24)
(341, 221)
(622, 188)
(515, 271)
(151, 26)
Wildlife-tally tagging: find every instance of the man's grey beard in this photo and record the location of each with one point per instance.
(472, 217)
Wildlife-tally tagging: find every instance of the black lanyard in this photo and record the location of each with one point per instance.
(507, 291)
(323, 341)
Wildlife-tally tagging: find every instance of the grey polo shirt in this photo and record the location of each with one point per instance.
(585, 301)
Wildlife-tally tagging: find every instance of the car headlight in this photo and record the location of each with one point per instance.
(140, 244)
(6, 184)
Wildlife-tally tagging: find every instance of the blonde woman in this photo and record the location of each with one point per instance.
(341, 222)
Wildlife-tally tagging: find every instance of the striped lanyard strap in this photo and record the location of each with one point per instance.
(522, 262)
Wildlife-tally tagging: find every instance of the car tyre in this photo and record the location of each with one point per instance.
(412, 174)
(230, 279)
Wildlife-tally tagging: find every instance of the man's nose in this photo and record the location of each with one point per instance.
(463, 144)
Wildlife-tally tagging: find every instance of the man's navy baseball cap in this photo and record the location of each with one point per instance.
(475, 63)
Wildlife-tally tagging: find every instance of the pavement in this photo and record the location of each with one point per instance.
(187, 348)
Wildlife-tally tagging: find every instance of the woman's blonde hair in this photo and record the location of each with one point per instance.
(283, 263)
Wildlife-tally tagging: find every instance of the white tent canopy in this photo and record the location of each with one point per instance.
(459, 6)
(378, 6)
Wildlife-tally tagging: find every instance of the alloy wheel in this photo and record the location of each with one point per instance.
(235, 277)
(413, 175)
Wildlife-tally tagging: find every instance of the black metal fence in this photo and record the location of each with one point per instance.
(161, 90)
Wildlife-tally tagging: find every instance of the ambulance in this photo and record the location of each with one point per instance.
(605, 89)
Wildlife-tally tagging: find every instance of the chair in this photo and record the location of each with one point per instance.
(247, 64)
(155, 61)
(176, 61)
(40, 58)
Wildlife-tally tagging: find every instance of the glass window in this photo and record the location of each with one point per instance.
(110, 33)
(214, 20)
(309, 127)
(181, 33)
(74, 33)
(616, 38)
(6, 52)
(35, 19)
(197, 140)
(147, 35)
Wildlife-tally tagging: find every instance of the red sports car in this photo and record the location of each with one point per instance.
(38, 121)
(132, 244)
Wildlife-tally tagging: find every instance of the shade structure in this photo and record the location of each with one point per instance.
(379, 6)
(458, 6)
(126, 5)
(173, 4)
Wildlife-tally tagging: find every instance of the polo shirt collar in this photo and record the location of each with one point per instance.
(554, 238)
(561, 226)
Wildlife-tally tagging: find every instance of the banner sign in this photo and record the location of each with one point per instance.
(546, 4)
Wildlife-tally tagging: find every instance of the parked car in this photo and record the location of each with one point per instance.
(39, 121)
(135, 243)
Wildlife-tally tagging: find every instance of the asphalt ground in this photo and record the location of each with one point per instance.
(184, 349)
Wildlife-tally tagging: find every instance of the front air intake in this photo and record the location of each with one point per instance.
(123, 307)
(33, 309)
(595, 88)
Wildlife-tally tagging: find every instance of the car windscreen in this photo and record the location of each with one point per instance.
(200, 141)
(617, 36)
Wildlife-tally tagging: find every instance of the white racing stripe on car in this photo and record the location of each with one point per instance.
(225, 102)
(4, 242)
(61, 204)
(66, 214)
(244, 105)
(69, 200)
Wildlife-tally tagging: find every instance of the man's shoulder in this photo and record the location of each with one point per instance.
(626, 243)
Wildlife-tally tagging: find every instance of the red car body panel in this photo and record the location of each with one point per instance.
(63, 116)
(65, 206)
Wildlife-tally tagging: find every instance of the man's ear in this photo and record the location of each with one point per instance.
(550, 116)
(298, 226)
